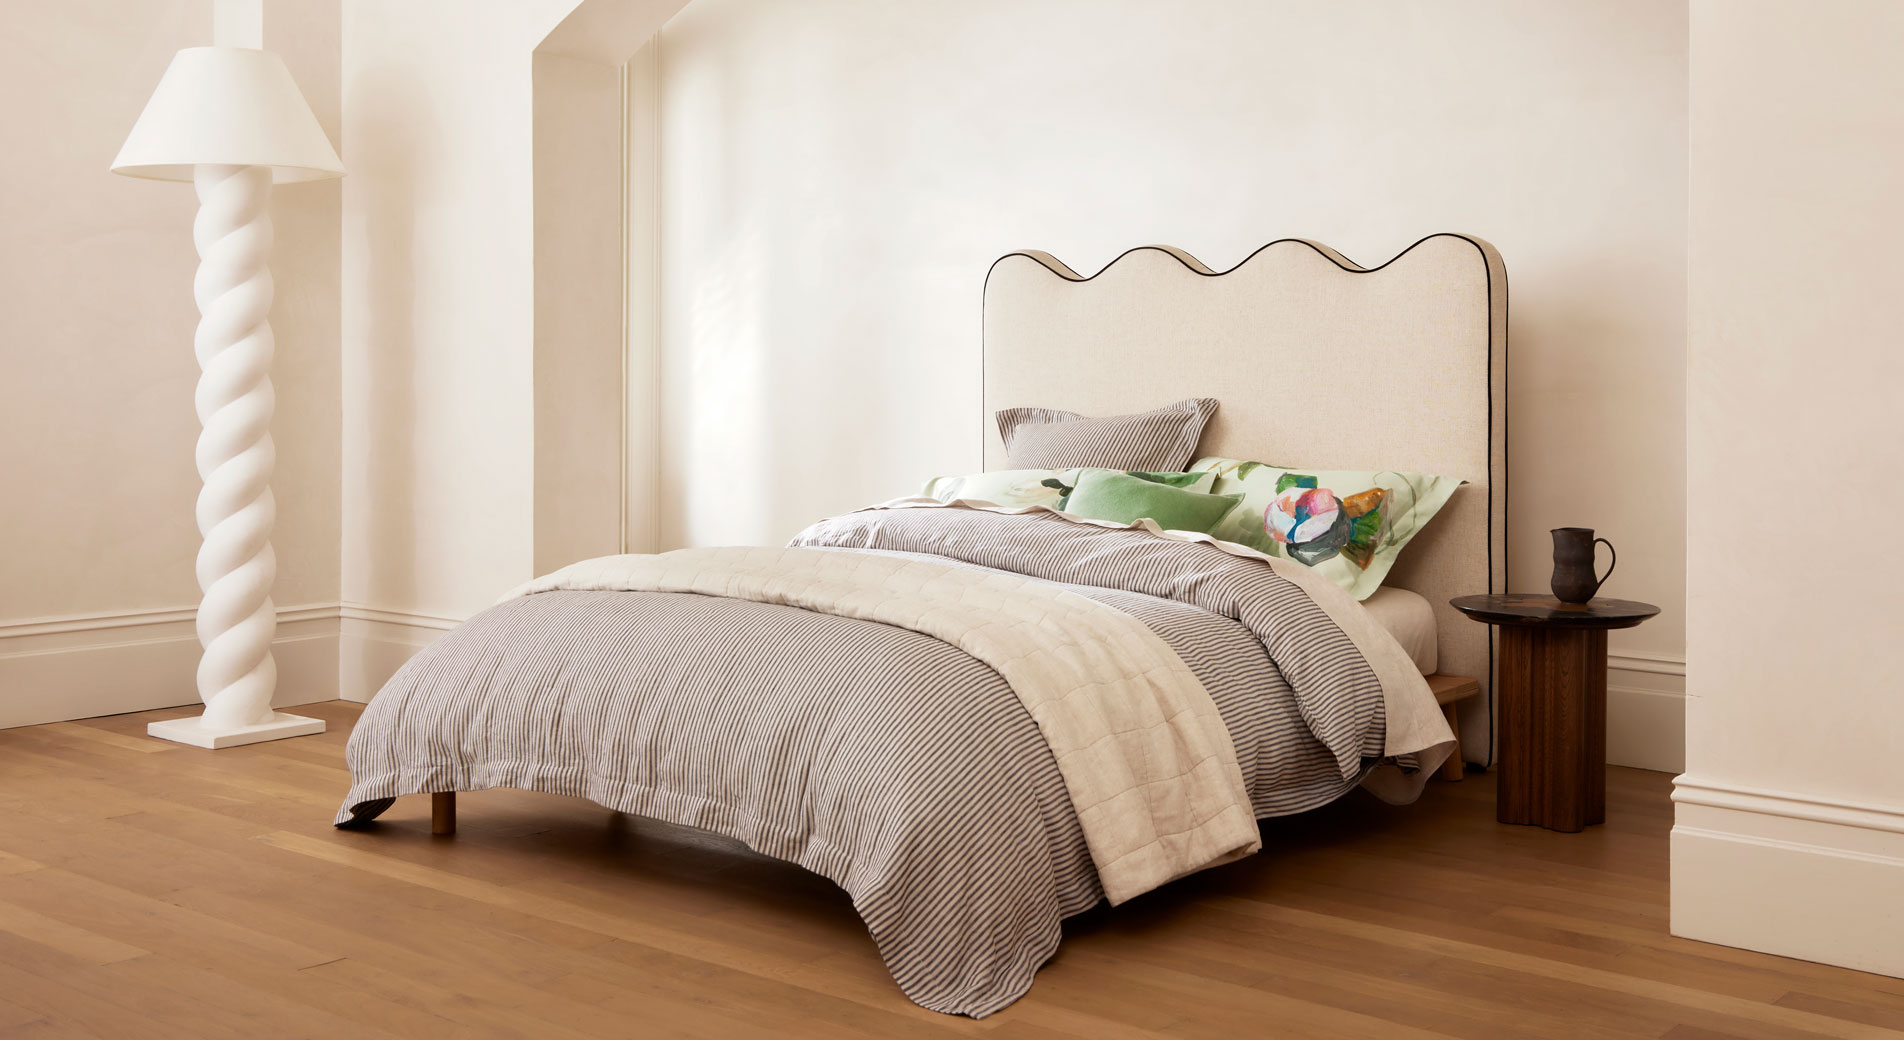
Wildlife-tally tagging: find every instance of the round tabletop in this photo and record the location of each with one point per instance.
(1522, 608)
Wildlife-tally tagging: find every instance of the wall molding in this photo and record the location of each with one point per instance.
(116, 620)
(94, 622)
(1644, 661)
(1818, 873)
(1646, 710)
(77, 666)
(402, 618)
(1764, 801)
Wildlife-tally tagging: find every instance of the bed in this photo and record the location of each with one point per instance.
(977, 720)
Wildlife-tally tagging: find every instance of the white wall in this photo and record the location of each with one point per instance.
(98, 323)
(96, 368)
(1790, 828)
(837, 175)
(482, 438)
(437, 318)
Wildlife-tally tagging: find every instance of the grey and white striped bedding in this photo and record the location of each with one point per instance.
(889, 761)
(1162, 440)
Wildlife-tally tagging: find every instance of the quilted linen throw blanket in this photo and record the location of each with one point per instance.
(1150, 769)
(977, 722)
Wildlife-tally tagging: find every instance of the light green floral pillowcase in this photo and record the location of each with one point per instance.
(1349, 525)
(1017, 488)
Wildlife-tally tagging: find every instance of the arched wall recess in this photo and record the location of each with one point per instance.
(595, 140)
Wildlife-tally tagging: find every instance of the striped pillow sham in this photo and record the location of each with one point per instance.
(1163, 440)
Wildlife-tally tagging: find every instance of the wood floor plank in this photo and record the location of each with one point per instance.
(1890, 1018)
(14, 1016)
(1692, 998)
(82, 731)
(69, 1009)
(70, 939)
(655, 932)
(1657, 954)
(1400, 986)
(11, 864)
(218, 1005)
(151, 924)
(153, 890)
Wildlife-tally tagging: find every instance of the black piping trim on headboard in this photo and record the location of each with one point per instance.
(1195, 266)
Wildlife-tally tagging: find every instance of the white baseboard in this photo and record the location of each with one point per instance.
(1646, 711)
(56, 669)
(80, 667)
(1791, 874)
(374, 643)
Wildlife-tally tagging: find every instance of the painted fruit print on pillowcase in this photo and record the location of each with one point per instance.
(1312, 523)
(1349, 525)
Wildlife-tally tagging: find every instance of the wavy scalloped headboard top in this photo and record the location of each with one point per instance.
(1319, 364)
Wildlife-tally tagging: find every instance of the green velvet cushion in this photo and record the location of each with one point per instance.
(1122, 498)
(1016, 488)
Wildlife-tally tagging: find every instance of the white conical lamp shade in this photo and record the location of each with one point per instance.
(227, 106)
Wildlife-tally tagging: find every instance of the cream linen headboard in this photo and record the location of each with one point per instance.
(1319, 364)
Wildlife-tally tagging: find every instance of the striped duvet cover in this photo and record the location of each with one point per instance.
(892, 762)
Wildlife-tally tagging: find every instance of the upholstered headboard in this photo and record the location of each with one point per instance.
(1319, 364)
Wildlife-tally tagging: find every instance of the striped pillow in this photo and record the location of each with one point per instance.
(1160, 441)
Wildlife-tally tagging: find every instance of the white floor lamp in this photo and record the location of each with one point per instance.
(231, 120)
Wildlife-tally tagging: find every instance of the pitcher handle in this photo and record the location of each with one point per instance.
(1613, 561)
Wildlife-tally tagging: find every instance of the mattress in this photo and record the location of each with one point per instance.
(1410, 618)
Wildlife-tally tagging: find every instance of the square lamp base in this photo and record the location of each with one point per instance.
(197, 733)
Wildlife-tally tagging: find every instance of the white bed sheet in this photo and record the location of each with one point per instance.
(1410, 618)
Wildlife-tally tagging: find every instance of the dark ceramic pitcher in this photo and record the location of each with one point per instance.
(1573, 564)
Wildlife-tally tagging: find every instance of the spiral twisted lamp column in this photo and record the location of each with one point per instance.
(236, 566)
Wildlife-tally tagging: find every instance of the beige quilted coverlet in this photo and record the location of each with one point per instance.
(1145, 757)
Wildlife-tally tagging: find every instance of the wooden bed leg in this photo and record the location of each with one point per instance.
(443, 812)
(1453, 768)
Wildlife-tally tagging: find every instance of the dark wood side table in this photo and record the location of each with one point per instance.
(1552, 704)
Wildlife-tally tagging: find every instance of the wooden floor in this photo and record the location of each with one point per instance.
(153, 890)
